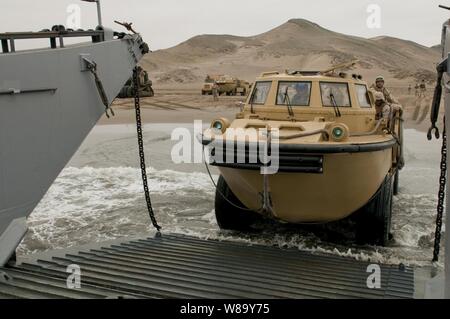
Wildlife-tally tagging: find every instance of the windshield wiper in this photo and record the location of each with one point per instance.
(337, 112)
(252, 99)
(287, 101)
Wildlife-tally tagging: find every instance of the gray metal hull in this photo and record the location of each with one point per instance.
(40, 131)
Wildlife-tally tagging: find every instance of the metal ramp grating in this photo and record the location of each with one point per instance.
(175, 266)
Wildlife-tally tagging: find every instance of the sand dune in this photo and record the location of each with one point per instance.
(297, 44)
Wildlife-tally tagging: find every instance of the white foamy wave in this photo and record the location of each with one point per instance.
(95, 204)
(87, 205)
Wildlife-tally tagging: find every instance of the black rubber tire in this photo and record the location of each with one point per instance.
(229, 216)
(374, 219)
(396, 182)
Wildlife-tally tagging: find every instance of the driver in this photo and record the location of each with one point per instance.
(301, 96)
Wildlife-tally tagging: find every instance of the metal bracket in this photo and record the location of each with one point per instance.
(89, 65)
(84, 58)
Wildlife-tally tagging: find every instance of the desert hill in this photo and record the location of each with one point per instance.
(296, 44)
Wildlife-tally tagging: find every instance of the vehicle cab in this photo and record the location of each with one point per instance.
(311, 96)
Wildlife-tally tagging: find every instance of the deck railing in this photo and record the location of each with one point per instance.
(8, 40)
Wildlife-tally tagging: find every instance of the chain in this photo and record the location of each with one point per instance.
(441, 196)
(137, 106)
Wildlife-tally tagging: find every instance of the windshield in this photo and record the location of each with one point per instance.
(335, 93)
(260, 93)
(297, 93)
(363, 97)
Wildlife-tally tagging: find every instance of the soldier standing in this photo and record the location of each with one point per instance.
(423, 88)
(417, 89)
(409, 89)
(215, 92)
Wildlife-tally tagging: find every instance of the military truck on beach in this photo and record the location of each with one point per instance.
(227, 85)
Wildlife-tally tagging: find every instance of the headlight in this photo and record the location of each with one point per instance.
(220, 124)
(338, 132)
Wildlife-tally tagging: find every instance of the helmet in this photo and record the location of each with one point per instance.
(379, 78)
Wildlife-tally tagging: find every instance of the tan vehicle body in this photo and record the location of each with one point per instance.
(226, 85)
(232, 86)
(350, 170)
(207, 88)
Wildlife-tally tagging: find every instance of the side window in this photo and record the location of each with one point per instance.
(294, 93)
(363, 95)
(260, 93)
(335, 93)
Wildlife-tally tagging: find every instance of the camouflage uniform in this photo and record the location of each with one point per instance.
(423, 89)
(387, 95)
(386, 105)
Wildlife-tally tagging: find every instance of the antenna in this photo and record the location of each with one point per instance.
(444, 7)
(99, 10)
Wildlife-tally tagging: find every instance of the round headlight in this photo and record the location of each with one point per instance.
(220, 125)
(338, 132)
(217, 125)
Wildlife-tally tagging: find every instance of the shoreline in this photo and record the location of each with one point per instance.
(182, 107)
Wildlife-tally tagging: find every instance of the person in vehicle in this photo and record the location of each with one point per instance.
(378, 86)
(301, 96)
(385, 102)
(383, 108)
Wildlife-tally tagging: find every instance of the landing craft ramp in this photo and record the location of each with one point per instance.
(176, 266)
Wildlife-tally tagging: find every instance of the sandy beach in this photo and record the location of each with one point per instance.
(184, 105)
(174, 107)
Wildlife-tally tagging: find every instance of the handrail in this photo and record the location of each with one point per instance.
(49, 34)
(8, 39)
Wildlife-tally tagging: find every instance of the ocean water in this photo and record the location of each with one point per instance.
(99, 197)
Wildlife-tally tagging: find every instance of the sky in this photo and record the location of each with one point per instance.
(165, 23)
